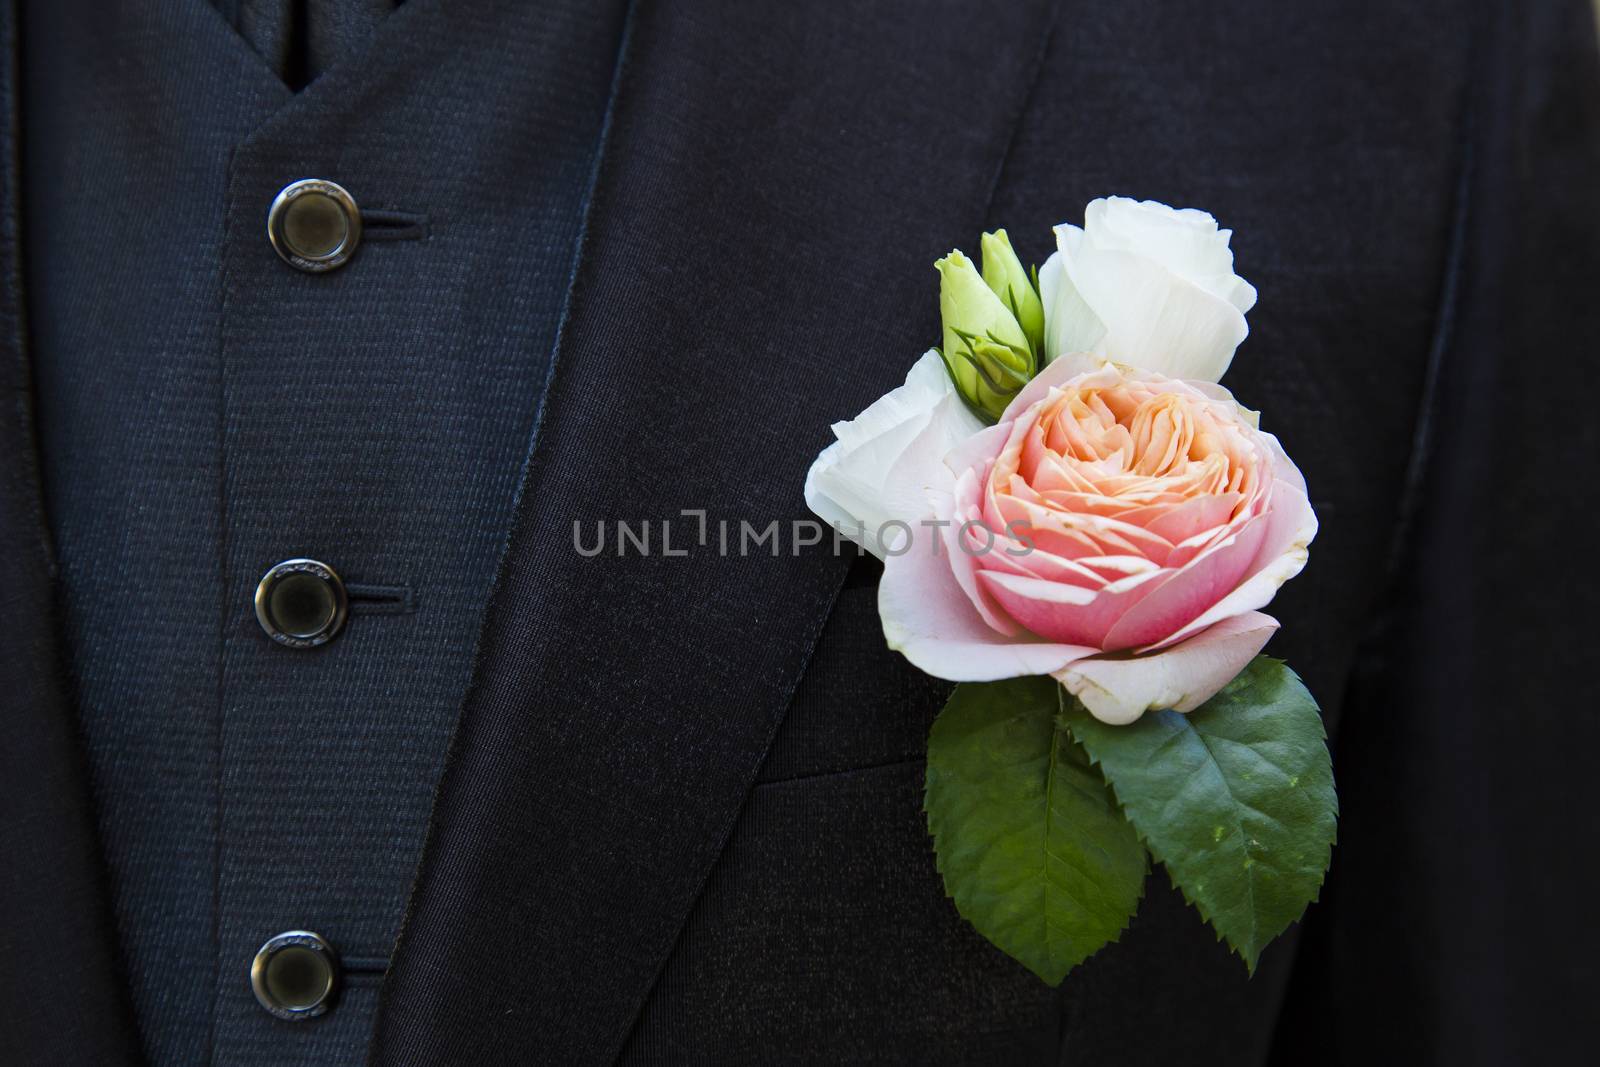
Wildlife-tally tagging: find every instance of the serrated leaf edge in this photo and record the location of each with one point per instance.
(1250, 961)
(937, 834)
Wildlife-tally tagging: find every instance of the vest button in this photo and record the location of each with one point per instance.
(314, 225)
(295, 975)
(301, 603)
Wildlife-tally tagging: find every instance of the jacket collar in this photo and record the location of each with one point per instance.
(758, 263)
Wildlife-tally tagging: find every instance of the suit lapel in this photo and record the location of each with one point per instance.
(776, 184)
(58, 953)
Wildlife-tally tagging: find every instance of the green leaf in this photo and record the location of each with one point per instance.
(1029, 839)
(1236, 799)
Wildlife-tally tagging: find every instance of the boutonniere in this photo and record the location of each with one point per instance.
(1080, 526)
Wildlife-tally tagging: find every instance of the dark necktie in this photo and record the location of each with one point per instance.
(302, 38)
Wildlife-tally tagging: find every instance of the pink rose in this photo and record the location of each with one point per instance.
(1117, 530)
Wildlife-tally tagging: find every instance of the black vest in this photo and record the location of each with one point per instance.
(206, 411)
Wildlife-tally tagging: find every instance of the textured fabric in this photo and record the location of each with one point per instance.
(62, 998)
(636, 745)
(761, 235)
(124, 345)
(789, 945)
(680, 818)
(300, 39)
(1458, 923)
(1345, 207)
(1342, 204)
(786, 918)
(207, 411)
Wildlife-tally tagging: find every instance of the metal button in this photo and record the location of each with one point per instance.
(301, 603)
(295, 975)
(314, 225)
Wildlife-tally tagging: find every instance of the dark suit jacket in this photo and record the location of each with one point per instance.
(680, 817)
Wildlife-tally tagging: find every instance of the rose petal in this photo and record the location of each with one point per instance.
(978, 450)
(1178, 523)
(1062, 612)
(1186, 241)
(1118, 690)
(1156, 320)
(1070, 325)
(930, 620)
(1290, 528)
(817, 497)
(955, 511)
(851, 485)
(919, 471)
(1195, 587)
(1283, 467)
(1013, 557)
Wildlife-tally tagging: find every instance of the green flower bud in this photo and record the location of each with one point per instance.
(1004, 273)
(985, 348)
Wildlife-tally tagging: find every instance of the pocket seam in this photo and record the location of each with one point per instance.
(809, 776)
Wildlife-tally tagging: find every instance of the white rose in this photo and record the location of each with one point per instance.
(886, 458)
(1146, 285)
